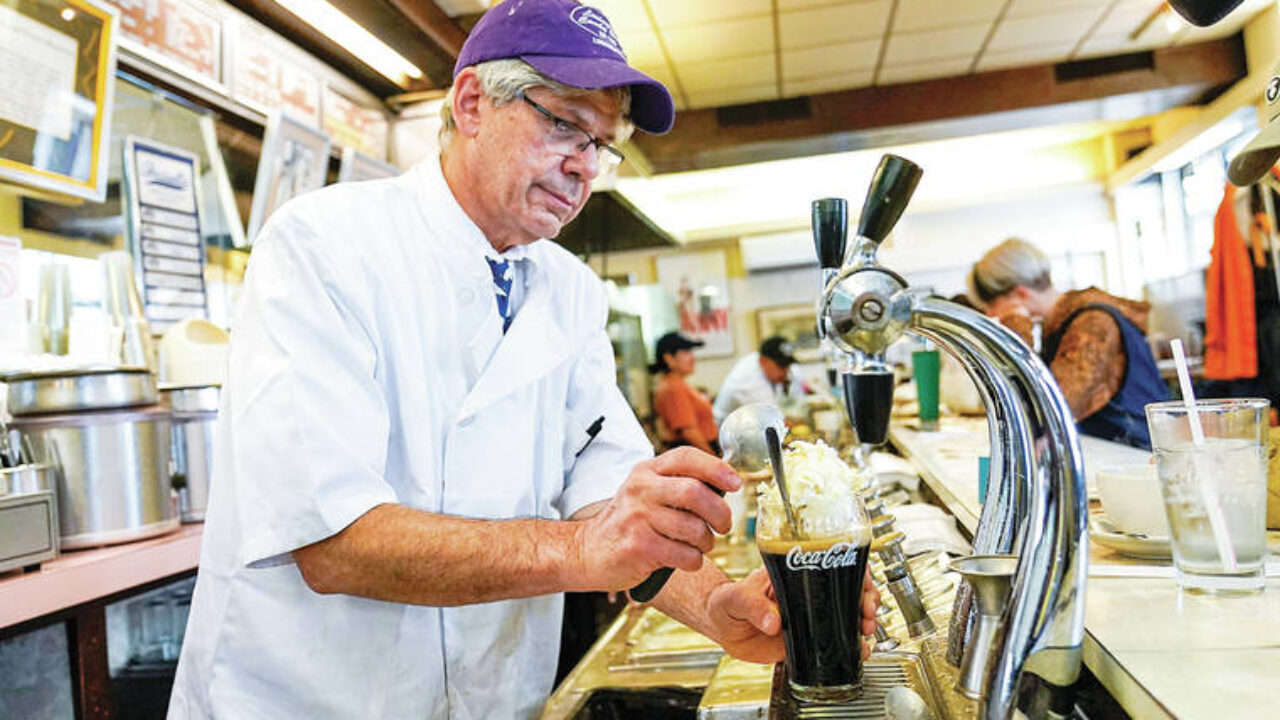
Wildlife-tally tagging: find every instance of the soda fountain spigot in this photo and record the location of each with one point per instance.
(1036, 505)
(863, 308)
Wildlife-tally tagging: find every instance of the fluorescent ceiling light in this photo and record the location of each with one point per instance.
(335, 25)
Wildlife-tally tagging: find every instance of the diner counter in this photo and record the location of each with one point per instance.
(1159, 652)
(82, 576)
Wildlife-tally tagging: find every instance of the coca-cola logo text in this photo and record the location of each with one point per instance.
(840, 555)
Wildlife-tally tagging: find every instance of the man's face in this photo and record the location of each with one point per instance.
(773, 372)
(531, 190)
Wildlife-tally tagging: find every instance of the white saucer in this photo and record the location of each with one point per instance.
(1141, 546)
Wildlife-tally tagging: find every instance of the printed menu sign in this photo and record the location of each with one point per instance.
(265, 78)
(353, 126)
(164, 224)
(178, 30)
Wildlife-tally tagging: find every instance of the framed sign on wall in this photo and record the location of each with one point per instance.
(57, 65)
(356, 166)
(295, 160)
(163, 206)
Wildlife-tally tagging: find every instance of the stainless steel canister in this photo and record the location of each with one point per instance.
(195, 410)
(113, 472)
(64, 391)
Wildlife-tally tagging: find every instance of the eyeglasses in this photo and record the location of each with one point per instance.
(567, 136)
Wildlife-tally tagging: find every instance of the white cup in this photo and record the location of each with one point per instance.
(1131, 498)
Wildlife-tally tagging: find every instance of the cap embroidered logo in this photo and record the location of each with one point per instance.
(597, 26)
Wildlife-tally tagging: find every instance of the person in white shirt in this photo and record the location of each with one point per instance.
(421, 444)
(759, 377)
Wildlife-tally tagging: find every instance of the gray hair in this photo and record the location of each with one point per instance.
(503, 80)
(1012, 263)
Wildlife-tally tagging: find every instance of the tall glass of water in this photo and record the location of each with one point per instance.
(1215, 491)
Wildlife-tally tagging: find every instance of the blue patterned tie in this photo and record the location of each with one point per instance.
(502, 289)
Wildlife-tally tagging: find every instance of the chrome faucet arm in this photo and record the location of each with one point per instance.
(1045, 621)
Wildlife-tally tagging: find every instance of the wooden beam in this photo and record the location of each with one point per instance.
(420, 37)
(435, 24)
(840, 121)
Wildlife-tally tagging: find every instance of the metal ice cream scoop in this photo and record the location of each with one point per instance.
(742, 438)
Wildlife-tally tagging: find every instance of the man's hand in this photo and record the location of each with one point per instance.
(744, 619)
(662, 516)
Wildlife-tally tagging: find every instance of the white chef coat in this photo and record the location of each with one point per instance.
(368, 366)
(747, 384)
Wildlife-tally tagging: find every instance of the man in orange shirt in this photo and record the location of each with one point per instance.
(685, 413)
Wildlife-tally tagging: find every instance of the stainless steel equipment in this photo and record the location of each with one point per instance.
(28, 529)
(195, 410)
(28, 478)
(1037, 471)
(113, 482)
(62, 391)
(990, 576)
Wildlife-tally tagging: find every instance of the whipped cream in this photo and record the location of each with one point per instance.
(824, 494)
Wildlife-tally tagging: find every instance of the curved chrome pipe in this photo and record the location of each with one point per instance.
(1033, 434)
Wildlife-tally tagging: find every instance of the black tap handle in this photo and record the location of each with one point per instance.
(891, 188)
(830, 229)
(1204, 12)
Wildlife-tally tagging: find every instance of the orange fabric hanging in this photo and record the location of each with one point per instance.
(1231, 331)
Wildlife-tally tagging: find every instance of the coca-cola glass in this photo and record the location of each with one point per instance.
(818, 571)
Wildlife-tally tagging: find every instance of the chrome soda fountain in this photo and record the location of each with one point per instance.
(1036, 503)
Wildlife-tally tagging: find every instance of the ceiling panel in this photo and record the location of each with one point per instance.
(698, 78)
(1054, 29)
(642, 48)
(624, 14)
(924, 71)
(912, 48)
(1030, 8)
(840, 23)
(1024, 56)
(679, 13)
(830, 82)
(454, 8)
(829, 59)
(734, 38)
(733, 96)
(789, 5)
(918, 15)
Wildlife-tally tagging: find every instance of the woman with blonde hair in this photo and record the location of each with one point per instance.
(1094, 342)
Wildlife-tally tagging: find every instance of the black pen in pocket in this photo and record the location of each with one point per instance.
(592, 431)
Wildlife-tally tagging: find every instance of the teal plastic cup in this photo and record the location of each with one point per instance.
(926, 367)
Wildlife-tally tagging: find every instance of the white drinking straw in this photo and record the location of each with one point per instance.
(1217, 521)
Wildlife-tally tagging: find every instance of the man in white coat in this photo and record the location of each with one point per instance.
(421, 445)
(759, 377)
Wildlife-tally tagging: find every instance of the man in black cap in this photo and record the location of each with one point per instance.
(422, 443)
(759, 377)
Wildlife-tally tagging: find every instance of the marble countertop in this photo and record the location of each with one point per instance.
(1160, 652)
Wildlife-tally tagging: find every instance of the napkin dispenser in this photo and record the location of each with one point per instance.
(28, 529)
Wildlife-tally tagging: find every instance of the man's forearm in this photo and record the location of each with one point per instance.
(399, 554)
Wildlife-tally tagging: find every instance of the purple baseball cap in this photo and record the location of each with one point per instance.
(572, 44)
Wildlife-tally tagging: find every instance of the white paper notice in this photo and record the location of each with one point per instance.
(13, 326)
(38, 74)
